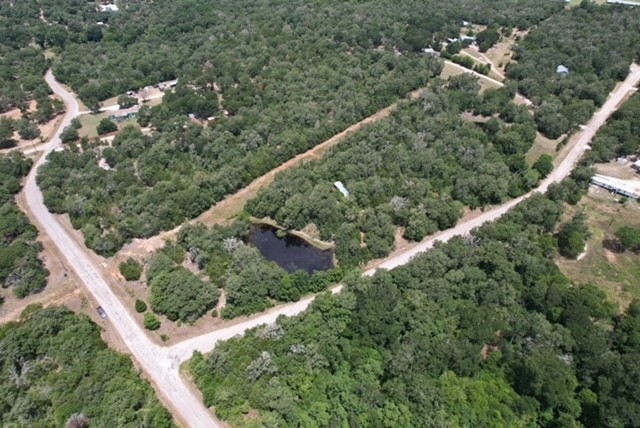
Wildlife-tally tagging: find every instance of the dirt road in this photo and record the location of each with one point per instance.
(155, 361)
(205, 343)
(233, 204)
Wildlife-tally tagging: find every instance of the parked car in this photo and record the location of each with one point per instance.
(101, 312)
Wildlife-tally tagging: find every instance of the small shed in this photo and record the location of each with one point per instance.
(636, 165)
(342, 188)
(168, 84)
(562, 70)
(108, 8)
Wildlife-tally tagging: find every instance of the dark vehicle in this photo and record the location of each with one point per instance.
(101, 312)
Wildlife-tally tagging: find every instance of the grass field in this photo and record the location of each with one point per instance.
(451, 70)
(617, 273)
(542, 145)
(89, 123)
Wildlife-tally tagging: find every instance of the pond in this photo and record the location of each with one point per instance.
(291, 253)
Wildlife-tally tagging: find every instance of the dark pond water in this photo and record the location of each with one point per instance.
(291, 253)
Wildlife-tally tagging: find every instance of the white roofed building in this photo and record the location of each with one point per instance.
(342, 188)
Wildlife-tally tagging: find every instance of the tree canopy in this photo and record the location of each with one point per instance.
(480, 331)
(279, 78)
(21, 269)
(54, 366)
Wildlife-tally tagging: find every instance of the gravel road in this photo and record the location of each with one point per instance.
(157, 362)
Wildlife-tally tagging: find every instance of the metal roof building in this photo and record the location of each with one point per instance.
(615, 185)
(342, 188)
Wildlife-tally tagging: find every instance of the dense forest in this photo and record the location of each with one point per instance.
(223, 259)
(23, 38)
(280, 77)
(595, 43)
(55, 371)
(481, 331)
(21, 269)
(415, 170)
(244, 45)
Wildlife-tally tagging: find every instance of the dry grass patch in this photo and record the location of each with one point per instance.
(542, 145)
(616, 273)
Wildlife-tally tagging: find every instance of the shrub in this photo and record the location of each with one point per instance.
(69, 135)
(131, 270)
(106, 126)
(629, 237)
(572, 237)
(141, 306)
(544, 165)
(151, 322)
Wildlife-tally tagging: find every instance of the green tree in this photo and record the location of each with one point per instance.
(544, 165)
(87, 376)
(181, 295)
(28, 130)
(141, 306)
(629, 237)
(573, 236)
(6, 133)
(151, 322)
(106, 126)
(69, 135)
(131, 269)
(125, 101)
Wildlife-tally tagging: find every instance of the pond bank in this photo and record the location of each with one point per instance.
(290, 251)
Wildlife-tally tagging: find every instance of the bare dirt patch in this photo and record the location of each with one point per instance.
(14, 114)
(46, 131)
(616, 170)
(610, 256)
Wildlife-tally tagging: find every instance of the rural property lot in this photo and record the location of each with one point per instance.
(162, 364)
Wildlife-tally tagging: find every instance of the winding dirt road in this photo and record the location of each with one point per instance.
(161, 367)
(162, 364)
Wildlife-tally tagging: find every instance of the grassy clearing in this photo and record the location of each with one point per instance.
(452, 70)
(542, 146)
(90, 123)
(481, 60)
(617, 274)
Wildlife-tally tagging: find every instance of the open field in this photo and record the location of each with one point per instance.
(481, 59)
(90, 121)
(542, 145)
(455, 70)
(616, 273)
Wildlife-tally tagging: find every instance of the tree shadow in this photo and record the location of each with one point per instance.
(613, 245)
